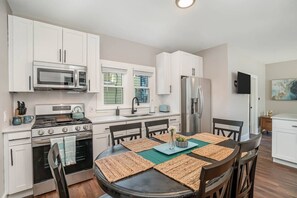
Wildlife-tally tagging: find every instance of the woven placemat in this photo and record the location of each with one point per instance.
(139, 145)
(213, 151)
(184, 169)
(166, 137)
(208, 137)
(123, 165)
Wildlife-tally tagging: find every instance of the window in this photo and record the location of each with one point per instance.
(113, 88)
(142, 91)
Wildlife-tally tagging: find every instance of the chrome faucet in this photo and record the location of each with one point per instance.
(134, 110)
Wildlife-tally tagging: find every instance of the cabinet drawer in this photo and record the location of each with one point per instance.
(285, 124)
(174, 119)
(104, 128)
(19, 138)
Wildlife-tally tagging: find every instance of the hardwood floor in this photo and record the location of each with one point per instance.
(272, 180)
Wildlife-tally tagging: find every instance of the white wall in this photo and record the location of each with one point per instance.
(280, 70)
(5, 97)
(221, 64)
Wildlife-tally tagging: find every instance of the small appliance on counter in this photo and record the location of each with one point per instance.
(164, 108)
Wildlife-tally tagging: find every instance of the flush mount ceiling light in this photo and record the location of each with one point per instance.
(184, 3)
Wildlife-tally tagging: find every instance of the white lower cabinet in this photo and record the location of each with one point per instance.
(100, 143)
(284, 140)
(19, 163)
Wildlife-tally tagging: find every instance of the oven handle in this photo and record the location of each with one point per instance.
(47, 141)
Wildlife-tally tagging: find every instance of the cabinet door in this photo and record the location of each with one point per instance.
(20, 54)
(100, 143)
(191, 65)
(74, 47)
(47, 43)
(94, 69)
(20, 168)
(163, 73)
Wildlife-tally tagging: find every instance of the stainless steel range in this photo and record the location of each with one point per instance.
(59, 121)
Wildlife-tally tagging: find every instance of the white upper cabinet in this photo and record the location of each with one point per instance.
(20, 54)
(163, 75)
(55, 44)
(47, 42)
(190, 65)
(94, 68)
(74, 47)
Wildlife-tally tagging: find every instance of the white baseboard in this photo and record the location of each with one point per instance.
(283, 162)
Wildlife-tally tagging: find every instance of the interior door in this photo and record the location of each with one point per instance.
(74, 47)
(47, 43)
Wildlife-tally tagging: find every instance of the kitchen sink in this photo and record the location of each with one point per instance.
(137, 115)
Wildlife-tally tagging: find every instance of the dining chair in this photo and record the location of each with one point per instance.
(119, 134)
(216, 179)
(229, 128)
(57, 169)
(245, 168)
(152, 127)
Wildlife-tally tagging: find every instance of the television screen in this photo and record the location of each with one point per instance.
(243, 83)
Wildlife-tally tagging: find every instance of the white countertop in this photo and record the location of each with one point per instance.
(285, 116)
(121, 118)
(18, 128)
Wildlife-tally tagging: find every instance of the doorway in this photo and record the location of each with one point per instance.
(253, 106)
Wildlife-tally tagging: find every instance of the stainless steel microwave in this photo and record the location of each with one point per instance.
(49, 76)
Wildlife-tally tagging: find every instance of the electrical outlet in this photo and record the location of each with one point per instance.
(4, 116)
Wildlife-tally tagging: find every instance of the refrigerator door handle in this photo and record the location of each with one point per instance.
(201, 102)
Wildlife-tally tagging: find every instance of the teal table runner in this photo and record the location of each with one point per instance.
(158, 158)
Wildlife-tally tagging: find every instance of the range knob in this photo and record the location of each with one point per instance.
(77, 128)
(65, 129)
(86, 127)
(50, 131)
(40, 132)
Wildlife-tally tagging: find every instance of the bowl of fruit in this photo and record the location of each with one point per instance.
(181, 142)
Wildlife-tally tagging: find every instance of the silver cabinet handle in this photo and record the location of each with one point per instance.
(64, 56)
(106, 128)
(60, 55)
(170, 89)
(25, 138)
(29, 82)
(108, 140)
(11, 157)
(295, 126)
(89, 85)
(172, 119)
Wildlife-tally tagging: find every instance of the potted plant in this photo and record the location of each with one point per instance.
(181, 142)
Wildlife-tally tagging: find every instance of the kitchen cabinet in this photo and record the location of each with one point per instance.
(284, 140)
(94, 68)
(47, 42)
(175, 121)
(163, 76)
(55, 44)
(74, 47)
(20, 54)
(19, 163)
(190, 65)
(100, 143)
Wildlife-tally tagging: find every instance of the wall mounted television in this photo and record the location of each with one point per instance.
(243, 83)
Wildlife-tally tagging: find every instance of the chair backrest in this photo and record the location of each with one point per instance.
(227, 132)
(57, 169)
(116, 131)
(216, 179)
(245, 168)
(151, 132)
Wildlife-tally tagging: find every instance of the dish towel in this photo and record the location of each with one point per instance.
(70, 150)
(60, 142)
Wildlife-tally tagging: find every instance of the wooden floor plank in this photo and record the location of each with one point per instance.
(272, 180)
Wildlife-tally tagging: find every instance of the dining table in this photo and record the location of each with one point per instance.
(151, 182)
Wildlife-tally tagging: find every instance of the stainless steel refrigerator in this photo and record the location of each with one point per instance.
(195, 105)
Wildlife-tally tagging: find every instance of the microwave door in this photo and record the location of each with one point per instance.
(54, 78)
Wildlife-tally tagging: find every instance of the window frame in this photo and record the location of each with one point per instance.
(114, 87)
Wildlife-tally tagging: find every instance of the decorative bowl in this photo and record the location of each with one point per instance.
(181, 144)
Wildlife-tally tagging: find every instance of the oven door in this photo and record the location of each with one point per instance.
(41, 147)
(54, 77)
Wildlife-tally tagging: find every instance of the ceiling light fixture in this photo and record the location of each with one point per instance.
(184, 3)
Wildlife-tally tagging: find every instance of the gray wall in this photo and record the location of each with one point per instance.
(5, 98)
(280, 70)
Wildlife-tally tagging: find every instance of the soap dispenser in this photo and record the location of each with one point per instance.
(117, 111)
